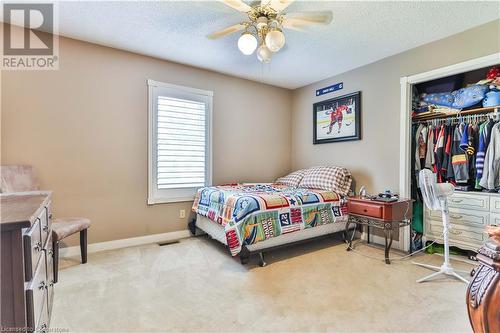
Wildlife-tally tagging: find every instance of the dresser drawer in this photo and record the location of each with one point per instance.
(33, 249)
(44, 225)
(470, 201)
(495, 219)
(365, 209)
(36, 294)
(495, 204)
(472, 218)
(460, 233)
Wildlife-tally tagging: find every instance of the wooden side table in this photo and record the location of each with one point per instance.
(382, 215)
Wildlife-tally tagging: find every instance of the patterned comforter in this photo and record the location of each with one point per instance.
(251, 213)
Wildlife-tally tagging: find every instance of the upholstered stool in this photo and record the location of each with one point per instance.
(22, 178)
(62, 228)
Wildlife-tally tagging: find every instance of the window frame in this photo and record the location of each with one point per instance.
(158, 196)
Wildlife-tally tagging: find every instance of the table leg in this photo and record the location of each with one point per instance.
(367, 234)
(387, 244)
(349, 247)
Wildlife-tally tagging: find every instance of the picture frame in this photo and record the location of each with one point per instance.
(337, 119)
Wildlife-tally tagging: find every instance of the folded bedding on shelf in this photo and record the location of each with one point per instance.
(251, 213)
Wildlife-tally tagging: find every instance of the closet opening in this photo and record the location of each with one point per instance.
(454, 130)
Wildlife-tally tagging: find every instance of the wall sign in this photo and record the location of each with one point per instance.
(330, 89)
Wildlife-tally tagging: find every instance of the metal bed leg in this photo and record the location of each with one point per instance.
(192, 227)
(262, 263)
(244, 255)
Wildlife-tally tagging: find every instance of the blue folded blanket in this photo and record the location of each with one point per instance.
(458, 99)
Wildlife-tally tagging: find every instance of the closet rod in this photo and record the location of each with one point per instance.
(495, 110)
(470, 117)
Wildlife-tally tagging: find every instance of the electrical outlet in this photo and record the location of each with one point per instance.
(182, 213)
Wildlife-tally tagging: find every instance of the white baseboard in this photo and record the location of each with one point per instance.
(127, 242)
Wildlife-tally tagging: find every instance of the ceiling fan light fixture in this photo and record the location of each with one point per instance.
(247, 43)
(275, 40)
(262, 30)
(261, 22)
(264, 54)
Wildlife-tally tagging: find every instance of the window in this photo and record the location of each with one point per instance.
(179, 142)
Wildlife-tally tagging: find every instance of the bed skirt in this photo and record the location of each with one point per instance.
(216, 231)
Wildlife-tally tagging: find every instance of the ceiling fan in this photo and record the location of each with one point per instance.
(263, 31)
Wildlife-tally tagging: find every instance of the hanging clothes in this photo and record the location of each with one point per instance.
(491, 171)
(422, 146)
(488, 129)
(439, 153)
(471, 152)
(429, 154)
(418, 218)
(420, 139)
(480, 154)
(456, 153)
(446, 169)
(450, 174)
(459, 158)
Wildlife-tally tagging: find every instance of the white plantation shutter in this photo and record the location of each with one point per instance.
(181, 145)
(179, 142)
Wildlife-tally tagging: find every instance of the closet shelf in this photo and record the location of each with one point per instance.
(436, 115)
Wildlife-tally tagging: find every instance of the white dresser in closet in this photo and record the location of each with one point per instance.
(470, 212)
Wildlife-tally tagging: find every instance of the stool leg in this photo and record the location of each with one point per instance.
(55, 261)
(83, 245)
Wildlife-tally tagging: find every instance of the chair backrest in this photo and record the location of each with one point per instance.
(18, 178)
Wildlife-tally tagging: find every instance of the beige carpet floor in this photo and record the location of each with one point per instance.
(195, 286)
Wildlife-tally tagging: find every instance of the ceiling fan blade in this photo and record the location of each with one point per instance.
(278, 5)
(238, 5)
(226, 31)
(309, 18)
(293, 25)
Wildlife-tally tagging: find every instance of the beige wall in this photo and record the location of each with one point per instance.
(84, 127)
(374, 160)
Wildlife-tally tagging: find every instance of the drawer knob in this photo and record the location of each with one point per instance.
(365, 210)
(42, 286)
(456, 200)
(38, 246)
(455, 232)
(458, 217)
(45, 228)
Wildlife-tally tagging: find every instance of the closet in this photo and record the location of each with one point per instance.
(455, 132)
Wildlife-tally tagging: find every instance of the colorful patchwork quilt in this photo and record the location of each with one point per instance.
(251, 213)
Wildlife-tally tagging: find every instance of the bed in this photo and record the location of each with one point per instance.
(253, 218)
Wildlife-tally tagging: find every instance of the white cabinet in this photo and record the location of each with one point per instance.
(469, 214)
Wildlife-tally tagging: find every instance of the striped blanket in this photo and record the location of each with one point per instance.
(251, 213)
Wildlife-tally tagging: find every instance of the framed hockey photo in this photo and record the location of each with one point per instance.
(337, 119)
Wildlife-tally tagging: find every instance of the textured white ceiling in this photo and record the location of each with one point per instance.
(361, 33)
